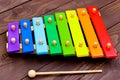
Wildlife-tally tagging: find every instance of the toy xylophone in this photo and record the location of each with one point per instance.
(79, 32)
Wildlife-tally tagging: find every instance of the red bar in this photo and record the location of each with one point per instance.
(106, 43)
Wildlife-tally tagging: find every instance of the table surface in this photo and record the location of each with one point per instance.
(15, 67)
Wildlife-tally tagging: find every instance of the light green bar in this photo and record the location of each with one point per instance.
(65, 38)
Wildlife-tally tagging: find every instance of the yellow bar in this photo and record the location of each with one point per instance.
(93, 44)
(77, 35)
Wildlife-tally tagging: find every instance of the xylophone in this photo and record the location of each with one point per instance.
(79, 32)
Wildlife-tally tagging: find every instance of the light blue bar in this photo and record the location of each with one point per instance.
(39, 33)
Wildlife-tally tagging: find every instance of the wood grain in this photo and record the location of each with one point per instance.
(6, 5)
(15, 67)
(110, 14)
(27, 11)
(39, 8)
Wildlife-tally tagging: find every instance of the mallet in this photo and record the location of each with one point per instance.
(33, 73)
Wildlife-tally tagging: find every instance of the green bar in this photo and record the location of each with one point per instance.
(52, 35)
(65, 38)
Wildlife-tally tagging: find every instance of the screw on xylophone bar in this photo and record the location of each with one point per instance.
(60, 17)
(72, 15)
(54, 42)
(49, 19)
(67, 43)
(38, 22)
(83, 12)
(25, 24)
(94, 10)
(40, 41)
(108, 45)
(13, 40)
(13, 27)
(95, 44)
(80, 44)
(27, 41)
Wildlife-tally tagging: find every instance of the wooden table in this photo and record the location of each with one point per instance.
(15, 67)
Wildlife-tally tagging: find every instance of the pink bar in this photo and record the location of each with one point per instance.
(13, 37)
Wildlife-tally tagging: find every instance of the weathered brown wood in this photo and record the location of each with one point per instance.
(114, 32)
(16, 66)
(27, 11)
(39, 8)
(11, 61)
(110, 69)
(9, 4)
(110, 13)
(81, 64)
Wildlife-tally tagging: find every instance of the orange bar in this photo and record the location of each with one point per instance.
(93, 43)
(104, 38)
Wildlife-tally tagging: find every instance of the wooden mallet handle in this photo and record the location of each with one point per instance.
(33, 73)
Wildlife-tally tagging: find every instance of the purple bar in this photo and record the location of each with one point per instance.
(13, 37)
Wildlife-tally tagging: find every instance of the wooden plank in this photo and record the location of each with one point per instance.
(97, 3)
(4, 58)
(24, 64)
(110, 14)
(7, 66)
(6, 5)
(83, 3)
(114, 33)
(109, 68)
(65, 64)
(29, 10)
(17, 13)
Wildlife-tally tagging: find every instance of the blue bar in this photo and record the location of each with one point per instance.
(27, 42)
(39, 34)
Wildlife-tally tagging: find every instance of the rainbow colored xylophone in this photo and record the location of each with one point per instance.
(78, 32)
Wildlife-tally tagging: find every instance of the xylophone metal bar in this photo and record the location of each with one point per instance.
(77, 35)
(102, 33)
(52, 35)
(13, 37)
(91, 38)
(39, 35)
(64, 34)
(27, 42)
